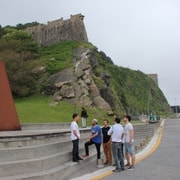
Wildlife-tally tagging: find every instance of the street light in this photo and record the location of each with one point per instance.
(148, 105)
(175, 107)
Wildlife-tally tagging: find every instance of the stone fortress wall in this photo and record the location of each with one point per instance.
(60, 30)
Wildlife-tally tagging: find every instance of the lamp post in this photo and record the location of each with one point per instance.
(175, 107)
(148, 106)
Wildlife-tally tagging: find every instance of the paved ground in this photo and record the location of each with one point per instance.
(163, 164)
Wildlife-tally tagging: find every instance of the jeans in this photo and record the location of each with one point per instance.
(75, 150)
(117, 154)
(98, 148)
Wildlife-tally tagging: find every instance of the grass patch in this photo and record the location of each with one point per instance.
(59, 56)
(37, 109)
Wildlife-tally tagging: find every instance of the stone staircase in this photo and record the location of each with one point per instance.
(46, 154)
(143, 134)
(41, 156)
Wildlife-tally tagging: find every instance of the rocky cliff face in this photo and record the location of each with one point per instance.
(76, 84)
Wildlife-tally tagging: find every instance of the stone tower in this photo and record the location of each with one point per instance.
(60, 30)
(154, 77)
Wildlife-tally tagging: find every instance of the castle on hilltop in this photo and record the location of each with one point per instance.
(60, 30)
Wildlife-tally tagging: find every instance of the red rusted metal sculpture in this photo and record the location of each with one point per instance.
(8, 115)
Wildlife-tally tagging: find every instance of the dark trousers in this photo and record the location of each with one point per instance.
(98, 148)
(75, 150)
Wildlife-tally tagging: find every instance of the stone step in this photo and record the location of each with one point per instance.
(32, 138)
(139, 129)
(36, 137)
(142, 134)
(28, 152)
(45, 170)
(57, 173)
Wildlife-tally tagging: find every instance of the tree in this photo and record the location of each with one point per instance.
(22, 79)
(23, 44)
(16, 47)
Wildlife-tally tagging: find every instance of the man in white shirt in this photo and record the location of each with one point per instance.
(117, 132)
(75, 135)
(129, 143)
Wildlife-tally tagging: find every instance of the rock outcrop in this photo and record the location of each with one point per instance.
(76, 84)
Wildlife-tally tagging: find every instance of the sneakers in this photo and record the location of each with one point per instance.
(85, 156)
(131, 168)
(116, 170)
(127, 165)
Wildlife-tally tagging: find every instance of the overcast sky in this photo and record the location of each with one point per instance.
(140, 34)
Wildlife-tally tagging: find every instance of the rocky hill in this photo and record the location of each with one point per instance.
(75, 71)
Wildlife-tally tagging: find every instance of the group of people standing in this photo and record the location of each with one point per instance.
(122, 138)
(114, 139)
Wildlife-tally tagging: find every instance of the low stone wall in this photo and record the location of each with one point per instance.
(43, 126)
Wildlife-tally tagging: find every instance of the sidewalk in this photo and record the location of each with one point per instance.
(100, 173)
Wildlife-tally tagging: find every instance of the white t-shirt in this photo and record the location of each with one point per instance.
(128, 127)
(74, 126)
(116, 131)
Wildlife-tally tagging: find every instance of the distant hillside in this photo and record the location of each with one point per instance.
(78, 73)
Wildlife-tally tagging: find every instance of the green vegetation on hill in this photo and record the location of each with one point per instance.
(136, 91)
(59, 56)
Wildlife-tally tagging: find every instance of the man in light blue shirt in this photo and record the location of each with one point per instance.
(117, 133)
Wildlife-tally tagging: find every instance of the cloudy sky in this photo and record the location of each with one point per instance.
(140, 34)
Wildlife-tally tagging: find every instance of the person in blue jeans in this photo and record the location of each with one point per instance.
(117, 132)
(95, 138)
